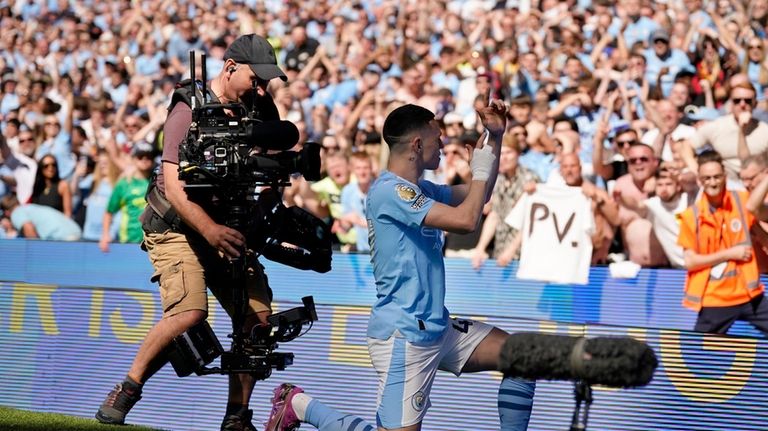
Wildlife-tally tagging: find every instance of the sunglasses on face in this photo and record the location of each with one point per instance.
(739, 100)
(49, 165)
(627, 143)
(27, 140)
(638, 160)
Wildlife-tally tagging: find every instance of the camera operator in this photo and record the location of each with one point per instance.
(188, 246)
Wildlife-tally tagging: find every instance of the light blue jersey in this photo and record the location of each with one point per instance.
(407, 259)
(49, 223)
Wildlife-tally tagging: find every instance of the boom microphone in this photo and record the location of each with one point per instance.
(621, 362)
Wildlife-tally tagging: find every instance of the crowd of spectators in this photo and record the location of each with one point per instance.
(623, 93)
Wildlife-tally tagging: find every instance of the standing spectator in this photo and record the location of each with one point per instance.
(353, 200)
(752, 174)
(636, 27)
(128, 198)
(734, 136)
(181, 42)
(102, 181)
(640, 242)
(21, 164)
(664, 62)
(49, 189)
(755, 65)
(57, 142)
(300, 49)
(603, 219)
(612, 165)
(663, 210)
(38, 221)
(723, 283)
(507, 191)
(668, 130)
(323, 198)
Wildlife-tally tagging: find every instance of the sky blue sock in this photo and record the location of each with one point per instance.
(325, 418)
(515, 403)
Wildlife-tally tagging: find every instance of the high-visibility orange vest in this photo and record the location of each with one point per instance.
(706, 232)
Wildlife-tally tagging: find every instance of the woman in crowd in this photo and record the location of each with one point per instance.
(103, 180)
(49, 189)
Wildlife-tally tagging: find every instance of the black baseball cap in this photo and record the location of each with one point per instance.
(257, 53)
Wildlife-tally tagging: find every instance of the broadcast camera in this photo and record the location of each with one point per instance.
(233, 164)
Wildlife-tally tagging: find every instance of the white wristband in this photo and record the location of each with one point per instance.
(482, 163)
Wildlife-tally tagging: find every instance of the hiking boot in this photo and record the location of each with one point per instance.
(282, 417)
(238, 422)
(118, 403)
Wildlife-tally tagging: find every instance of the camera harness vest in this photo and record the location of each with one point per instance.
(156, 200)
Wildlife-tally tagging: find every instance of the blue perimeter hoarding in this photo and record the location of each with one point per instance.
(72, 317)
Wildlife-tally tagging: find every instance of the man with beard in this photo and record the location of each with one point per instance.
(663, 211)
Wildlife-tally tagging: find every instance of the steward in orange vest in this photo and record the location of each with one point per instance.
(723, 282)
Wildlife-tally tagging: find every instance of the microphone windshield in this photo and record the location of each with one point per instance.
(620, 362)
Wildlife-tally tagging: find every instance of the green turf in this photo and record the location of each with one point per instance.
(22, 420)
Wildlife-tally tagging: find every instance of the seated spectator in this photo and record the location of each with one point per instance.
(638, 238)
(38, 221)
(49, 189)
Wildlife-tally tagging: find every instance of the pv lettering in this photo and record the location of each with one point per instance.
(540, 213)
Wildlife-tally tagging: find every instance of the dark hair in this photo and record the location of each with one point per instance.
(8, 202)
(403, 121)
(566, 119)
(39, 186)
(664, 172)
(708, 156)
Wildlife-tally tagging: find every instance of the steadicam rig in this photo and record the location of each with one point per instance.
(233, 162)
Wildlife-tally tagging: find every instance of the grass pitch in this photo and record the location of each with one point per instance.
(22, 420)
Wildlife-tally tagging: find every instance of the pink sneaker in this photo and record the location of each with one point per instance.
(282, 417)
